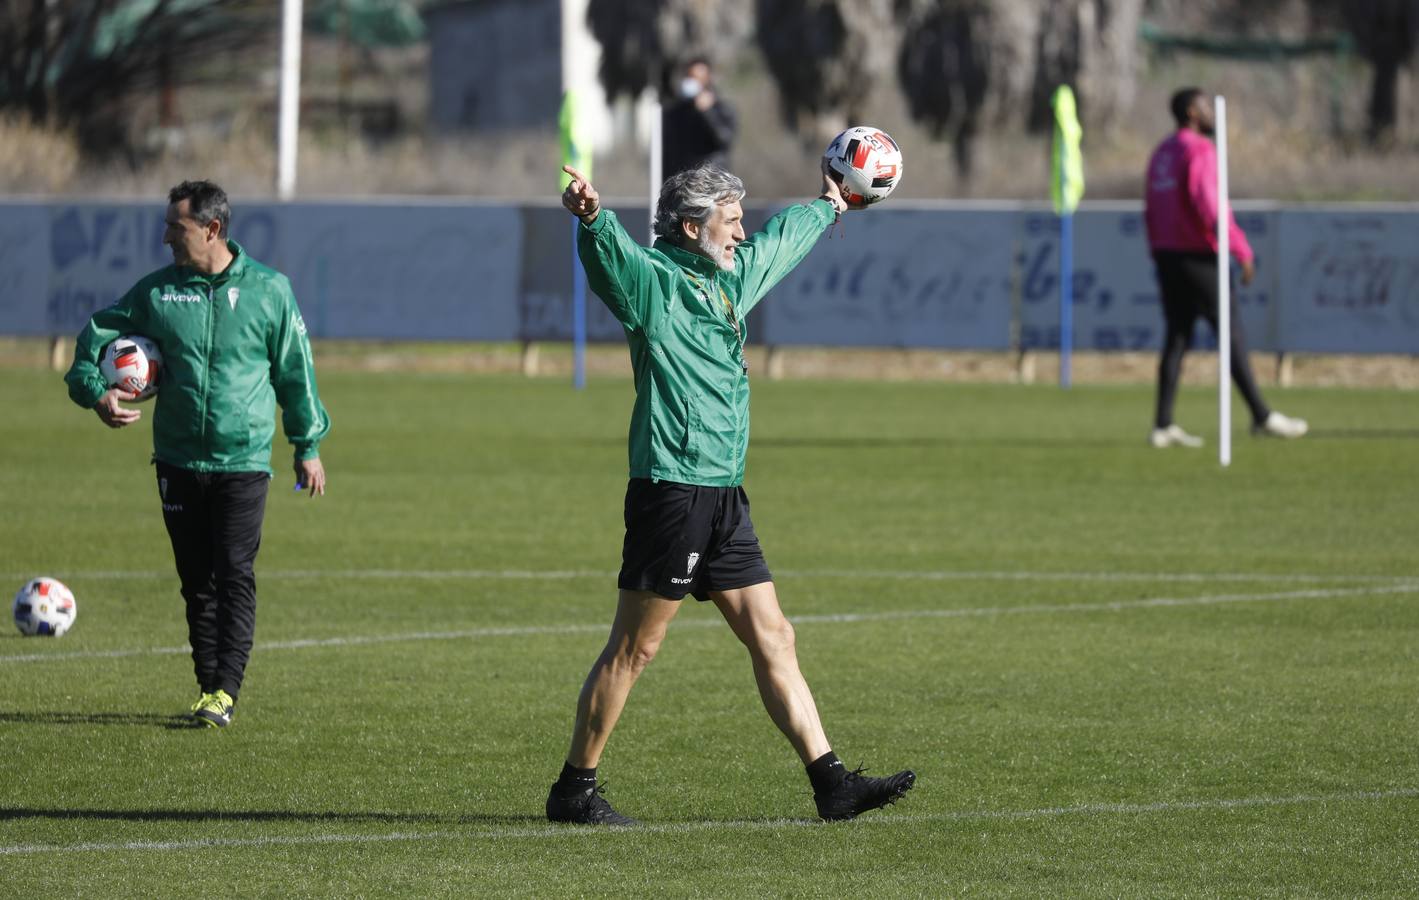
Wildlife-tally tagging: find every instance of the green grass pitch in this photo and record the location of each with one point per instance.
(1116, 671)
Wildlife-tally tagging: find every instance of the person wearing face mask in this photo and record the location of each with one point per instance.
(700, 126)
(1180, 212)
(688, 532)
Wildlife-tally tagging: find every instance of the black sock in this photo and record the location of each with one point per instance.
(574, 780)
(826, 772)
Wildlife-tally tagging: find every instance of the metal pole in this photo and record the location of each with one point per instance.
(656, 143)
(578, 68)
(1224, 291)
(578, 316)
(288, 123)
(1066, 296)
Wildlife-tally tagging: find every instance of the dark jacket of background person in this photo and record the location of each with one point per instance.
(691, 137)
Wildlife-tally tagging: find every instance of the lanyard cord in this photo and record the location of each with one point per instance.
(728, 307)
(729, 314)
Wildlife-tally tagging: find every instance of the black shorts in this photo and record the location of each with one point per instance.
(687, 539)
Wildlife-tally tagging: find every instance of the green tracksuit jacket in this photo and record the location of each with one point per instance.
(691, 418)
(233, 345)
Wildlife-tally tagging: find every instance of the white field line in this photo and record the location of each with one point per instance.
(810, 618)
(1116, 605)
(549, 831)
(574, 574)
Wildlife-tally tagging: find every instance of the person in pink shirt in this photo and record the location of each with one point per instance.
(1180, 212)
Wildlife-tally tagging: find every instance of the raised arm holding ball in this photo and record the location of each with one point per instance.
(683, 304)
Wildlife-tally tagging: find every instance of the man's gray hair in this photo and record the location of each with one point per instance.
(692, 195)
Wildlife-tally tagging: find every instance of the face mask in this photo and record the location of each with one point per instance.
(689, 87)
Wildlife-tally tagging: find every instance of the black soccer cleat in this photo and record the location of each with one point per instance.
(857, 794)
(587, 807)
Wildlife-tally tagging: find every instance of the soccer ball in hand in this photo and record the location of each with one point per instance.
(132, 363)
(44, 607)
(866, 163)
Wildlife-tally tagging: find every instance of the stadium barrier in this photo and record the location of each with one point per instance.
(1332, 279)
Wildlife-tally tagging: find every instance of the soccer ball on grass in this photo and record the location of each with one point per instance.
(132, 363)
(866, 163)
(45, 607)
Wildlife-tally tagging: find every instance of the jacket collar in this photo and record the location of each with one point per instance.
(234, 269)
(687, 259)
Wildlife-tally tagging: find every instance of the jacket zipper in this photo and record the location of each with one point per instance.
(741, 372)
(207, 362)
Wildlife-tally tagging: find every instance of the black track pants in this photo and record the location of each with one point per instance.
(214, 522)
(1188, 283)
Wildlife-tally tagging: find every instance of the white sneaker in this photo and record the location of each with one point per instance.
(1173, 436)
(1281, 426)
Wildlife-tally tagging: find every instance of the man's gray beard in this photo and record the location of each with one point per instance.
(714, 252)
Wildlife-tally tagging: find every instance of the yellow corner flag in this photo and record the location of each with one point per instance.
(1066, 180)
(576, 143)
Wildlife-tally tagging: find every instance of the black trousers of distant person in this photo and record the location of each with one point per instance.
(1188, 282)
(214, 522)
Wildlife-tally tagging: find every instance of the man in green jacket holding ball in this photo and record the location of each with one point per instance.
(233, 345)
(688, 531)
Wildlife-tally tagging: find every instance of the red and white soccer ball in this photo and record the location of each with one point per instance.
(45, 607)
(132, 363)
(866, 163)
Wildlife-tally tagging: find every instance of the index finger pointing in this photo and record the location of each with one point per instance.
(574, 174)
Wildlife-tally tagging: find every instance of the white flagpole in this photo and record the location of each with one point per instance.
(657, 143)
(288, 124)
(1224, 291)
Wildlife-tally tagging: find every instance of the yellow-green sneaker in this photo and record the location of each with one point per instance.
(215, 709)
(202, 699)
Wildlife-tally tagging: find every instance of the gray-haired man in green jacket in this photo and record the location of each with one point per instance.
(233, 345)
(688, 530)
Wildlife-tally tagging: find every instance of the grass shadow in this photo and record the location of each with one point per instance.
(944, 442)
(170, 721)
(21, 813)
(1361, 434)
